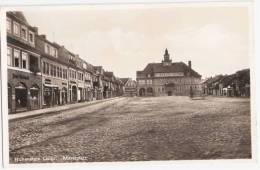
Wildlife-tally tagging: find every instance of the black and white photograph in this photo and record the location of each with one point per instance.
(128, 82)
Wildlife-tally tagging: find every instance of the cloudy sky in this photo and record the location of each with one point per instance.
(124, 39)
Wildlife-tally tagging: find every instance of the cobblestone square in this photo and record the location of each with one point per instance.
(136, 129)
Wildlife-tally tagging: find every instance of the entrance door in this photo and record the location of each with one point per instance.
(169, 93)
(142, 92)
(74, 93)
(34, 90)
(20, 97)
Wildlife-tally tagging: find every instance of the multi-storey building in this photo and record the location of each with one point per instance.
(88, 84)
(72, 72)
(45, 74)
(99, 82)
(168, 78)
(54, 73)
(23, 60)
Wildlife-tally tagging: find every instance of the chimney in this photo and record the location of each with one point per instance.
(189, 63)
(43, 36)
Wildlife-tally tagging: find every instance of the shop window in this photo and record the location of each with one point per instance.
(9, 56)
(9, 25)
(20, 96)
(24, 60)
(16, 29)
(16, 58)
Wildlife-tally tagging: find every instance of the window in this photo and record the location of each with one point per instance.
(31, 37)
(47, 49)
(54, 52)
(16, 29)
(58, 72)
(24, 33)
(9, 25)
(54, 71)
(24, 60)
(16, 58)
(9, 56)
(44, 67)
(47, 68)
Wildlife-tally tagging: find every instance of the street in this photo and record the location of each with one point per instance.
(129, 129)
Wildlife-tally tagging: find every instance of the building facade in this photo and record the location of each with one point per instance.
(54, 73)
(233, 85)
(23, 60)
(45, 74)
(168, 78)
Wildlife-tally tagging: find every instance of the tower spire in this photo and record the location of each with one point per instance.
(166, 58)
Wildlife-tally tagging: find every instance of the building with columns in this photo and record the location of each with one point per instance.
(167, 78)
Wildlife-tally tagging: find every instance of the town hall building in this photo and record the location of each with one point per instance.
(168, 78)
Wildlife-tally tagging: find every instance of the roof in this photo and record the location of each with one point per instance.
(173, 68)
(124, 80)
(20, 16)
(109, 73)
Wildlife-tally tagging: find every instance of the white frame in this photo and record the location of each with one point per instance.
(24, 54)
(167, 165)
(19, 58)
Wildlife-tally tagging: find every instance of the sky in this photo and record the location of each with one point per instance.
(125, 38)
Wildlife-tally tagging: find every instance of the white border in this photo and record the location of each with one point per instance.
(201, 164)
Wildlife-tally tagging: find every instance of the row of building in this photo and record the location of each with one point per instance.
(45, 74)
(237, 84)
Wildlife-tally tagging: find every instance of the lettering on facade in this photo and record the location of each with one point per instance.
(169, 74)
(65, 84)
(72, 82)
(20, 76)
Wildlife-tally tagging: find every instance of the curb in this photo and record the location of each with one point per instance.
(56, 110)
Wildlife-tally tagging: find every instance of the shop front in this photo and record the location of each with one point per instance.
(54, 92)
(51, 95)
(23, 91)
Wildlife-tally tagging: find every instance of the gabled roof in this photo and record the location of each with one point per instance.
(124, 80)
(173, 68)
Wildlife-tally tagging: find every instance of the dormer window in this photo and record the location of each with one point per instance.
(16, 29)
(50, 50)
(24, 33)
(9, 25)
(31, 37)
